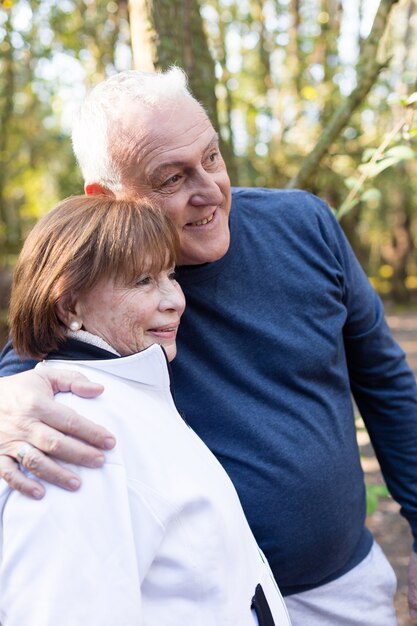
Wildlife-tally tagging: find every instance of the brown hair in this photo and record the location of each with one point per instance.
(82, 240)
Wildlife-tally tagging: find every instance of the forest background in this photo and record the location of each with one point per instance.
(316, 94)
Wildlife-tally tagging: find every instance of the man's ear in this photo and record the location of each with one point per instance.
(94, 189)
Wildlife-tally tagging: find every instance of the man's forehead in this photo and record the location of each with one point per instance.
(134, 112)
(182, 161)
(152, 141)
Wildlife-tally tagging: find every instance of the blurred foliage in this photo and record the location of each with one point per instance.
(283, 67)
(373, 494)
(49, 53)
(374, 491)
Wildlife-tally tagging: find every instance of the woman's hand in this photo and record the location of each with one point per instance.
(29, 415)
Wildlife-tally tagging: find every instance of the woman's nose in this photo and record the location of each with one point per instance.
(172, 297)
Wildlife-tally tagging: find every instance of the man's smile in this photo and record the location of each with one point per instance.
(202, 222)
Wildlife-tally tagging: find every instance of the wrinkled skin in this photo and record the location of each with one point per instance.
(29, 413)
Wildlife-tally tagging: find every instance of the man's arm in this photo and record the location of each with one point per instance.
(12, 363)
(28, 414)
(385, 391)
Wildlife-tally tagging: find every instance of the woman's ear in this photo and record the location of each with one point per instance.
(68, 313)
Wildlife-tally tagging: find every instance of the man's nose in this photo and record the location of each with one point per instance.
(206, 191)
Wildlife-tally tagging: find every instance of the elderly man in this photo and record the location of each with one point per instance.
(281, 326)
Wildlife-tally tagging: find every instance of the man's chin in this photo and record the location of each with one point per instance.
(203, 256)
(205, 250)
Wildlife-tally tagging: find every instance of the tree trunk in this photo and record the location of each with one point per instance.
(142, 35)
(171, 32)
(294, 51)
(225, 102)
(181, 40)
(8, 218)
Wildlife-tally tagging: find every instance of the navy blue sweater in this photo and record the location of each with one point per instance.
(275, 337)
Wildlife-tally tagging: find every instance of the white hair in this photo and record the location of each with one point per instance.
(101, 108)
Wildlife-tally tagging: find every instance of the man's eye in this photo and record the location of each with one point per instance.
(143, 281)
(212, 158)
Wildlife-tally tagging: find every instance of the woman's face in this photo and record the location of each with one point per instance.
(131, 318)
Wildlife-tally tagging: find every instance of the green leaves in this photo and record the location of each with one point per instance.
(410, 100)
(378, 160)
(392, 157)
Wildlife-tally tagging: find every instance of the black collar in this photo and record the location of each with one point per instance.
(74, 350)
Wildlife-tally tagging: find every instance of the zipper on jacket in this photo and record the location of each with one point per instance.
(261, 607)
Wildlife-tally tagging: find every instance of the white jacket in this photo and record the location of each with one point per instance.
(155, 538)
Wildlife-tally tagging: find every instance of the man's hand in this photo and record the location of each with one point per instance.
(412, 586)
(29, 415)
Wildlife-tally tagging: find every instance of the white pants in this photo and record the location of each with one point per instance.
(362, 597)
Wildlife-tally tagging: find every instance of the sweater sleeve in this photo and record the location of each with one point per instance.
(11, 363)
(382, 383)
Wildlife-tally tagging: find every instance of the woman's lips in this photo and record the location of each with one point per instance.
(169, 331)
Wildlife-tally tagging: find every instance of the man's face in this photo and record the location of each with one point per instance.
(172, 157)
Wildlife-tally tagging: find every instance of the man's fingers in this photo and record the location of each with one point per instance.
(41, 465)
(16, 479)
(85, 388)
(29, 416)
(66, 420)
(53, 443)
(65, 380)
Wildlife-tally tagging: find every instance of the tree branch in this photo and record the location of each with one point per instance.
(368, 69)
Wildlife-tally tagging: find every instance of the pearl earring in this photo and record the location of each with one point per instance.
(75, 325)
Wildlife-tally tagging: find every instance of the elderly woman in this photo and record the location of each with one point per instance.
(157, 537)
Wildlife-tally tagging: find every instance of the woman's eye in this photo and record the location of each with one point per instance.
(172, 275)
(143, 281)
(172, 180)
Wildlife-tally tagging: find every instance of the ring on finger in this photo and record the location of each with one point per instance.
(22, 451)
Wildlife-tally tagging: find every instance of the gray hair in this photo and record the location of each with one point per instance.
(90, 133)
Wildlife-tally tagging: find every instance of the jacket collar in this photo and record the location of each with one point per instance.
(149, 367)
